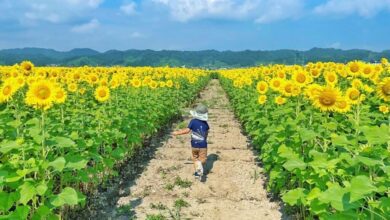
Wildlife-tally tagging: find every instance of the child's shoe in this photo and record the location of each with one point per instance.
(199, 169)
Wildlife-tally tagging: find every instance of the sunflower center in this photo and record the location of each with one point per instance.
(354, 68)
(7, 90)
(386, 88)
(288, 88)
(331, 78)
(276, 83)
(367, 71)
(43, 92)
(301, 78)
(354, 95)
(342, 104)
(59, 95)
(102, 93)
(327, 98)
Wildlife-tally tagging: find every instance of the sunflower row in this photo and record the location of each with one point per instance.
(323, 134)
(65, 131)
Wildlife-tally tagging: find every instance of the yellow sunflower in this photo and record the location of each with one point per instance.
(60, 95)
(287, 88)
(301, 78)
(327, 98)
(136, 83)
(354, 96)
(367, 71)
(262, 99)
(342, 105)
(7, 90)
(169, 83)
(331, 78)
(275, 84)
(262, 87)
(383, 89)
(72, 87)
(354, 68)
(384, 109)
(27, 65)
(280, 100)
(153, 84)
(41, 94)
(102, 93)
(312, 91)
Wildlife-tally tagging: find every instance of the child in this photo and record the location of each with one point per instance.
(199, 127)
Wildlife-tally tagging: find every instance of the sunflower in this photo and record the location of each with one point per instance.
(262, 87)
(60, 95)
(82, 91)
(169, 83)
(384, 61)
(342, 105)
(153, 84)
(287, 88)
(280, 100)
(327, 98)
(384, 109)
(331, 78)
(27, 65)
(41, 94)
(72, 87)
(275, 84)
(315, 72)
(262, 99)
(354, 96)
(357, 83)
(312, 91)
(354, 68)
(301, 78)
(383, 89)
(102, 93)
(367, 71)
(7, 90)
(136, 83)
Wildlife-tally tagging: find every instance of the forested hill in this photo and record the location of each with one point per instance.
(205, 58)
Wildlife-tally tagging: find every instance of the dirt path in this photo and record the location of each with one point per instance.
(233, 188)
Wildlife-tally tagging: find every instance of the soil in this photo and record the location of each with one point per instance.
(232, 189)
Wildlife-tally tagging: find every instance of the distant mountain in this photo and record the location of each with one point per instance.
(205, 58)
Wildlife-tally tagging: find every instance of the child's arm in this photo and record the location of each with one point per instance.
(182, 131)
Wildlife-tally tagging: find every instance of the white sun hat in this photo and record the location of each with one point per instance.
(200, 112)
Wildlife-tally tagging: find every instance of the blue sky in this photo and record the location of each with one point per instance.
(195, 24)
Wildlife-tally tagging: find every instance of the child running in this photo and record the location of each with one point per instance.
(199, 129)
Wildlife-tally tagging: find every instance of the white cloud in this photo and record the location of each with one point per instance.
(87, 27)
(335, 45)
(136, 34)
(129, 8)
(280, 9)
(262, 11)
(52, 11)
(364, 8)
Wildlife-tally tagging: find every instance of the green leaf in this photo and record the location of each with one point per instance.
(333, 195)
(41, 213)
(21, 212)
(296, 163)
(295, 196)
(340, 140)
(27, 192)
(67, 196)
(7, 146)
(41, 188)
(368, 161)
(376, 135)
(314, 193)
(58, 164)
(118, 153)
(7, 200)
(307, 135)
(64, 142)
(361, 186)
(76, 162)
(286, 152)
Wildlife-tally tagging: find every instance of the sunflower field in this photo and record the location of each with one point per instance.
(64, 131)
(323, 132)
